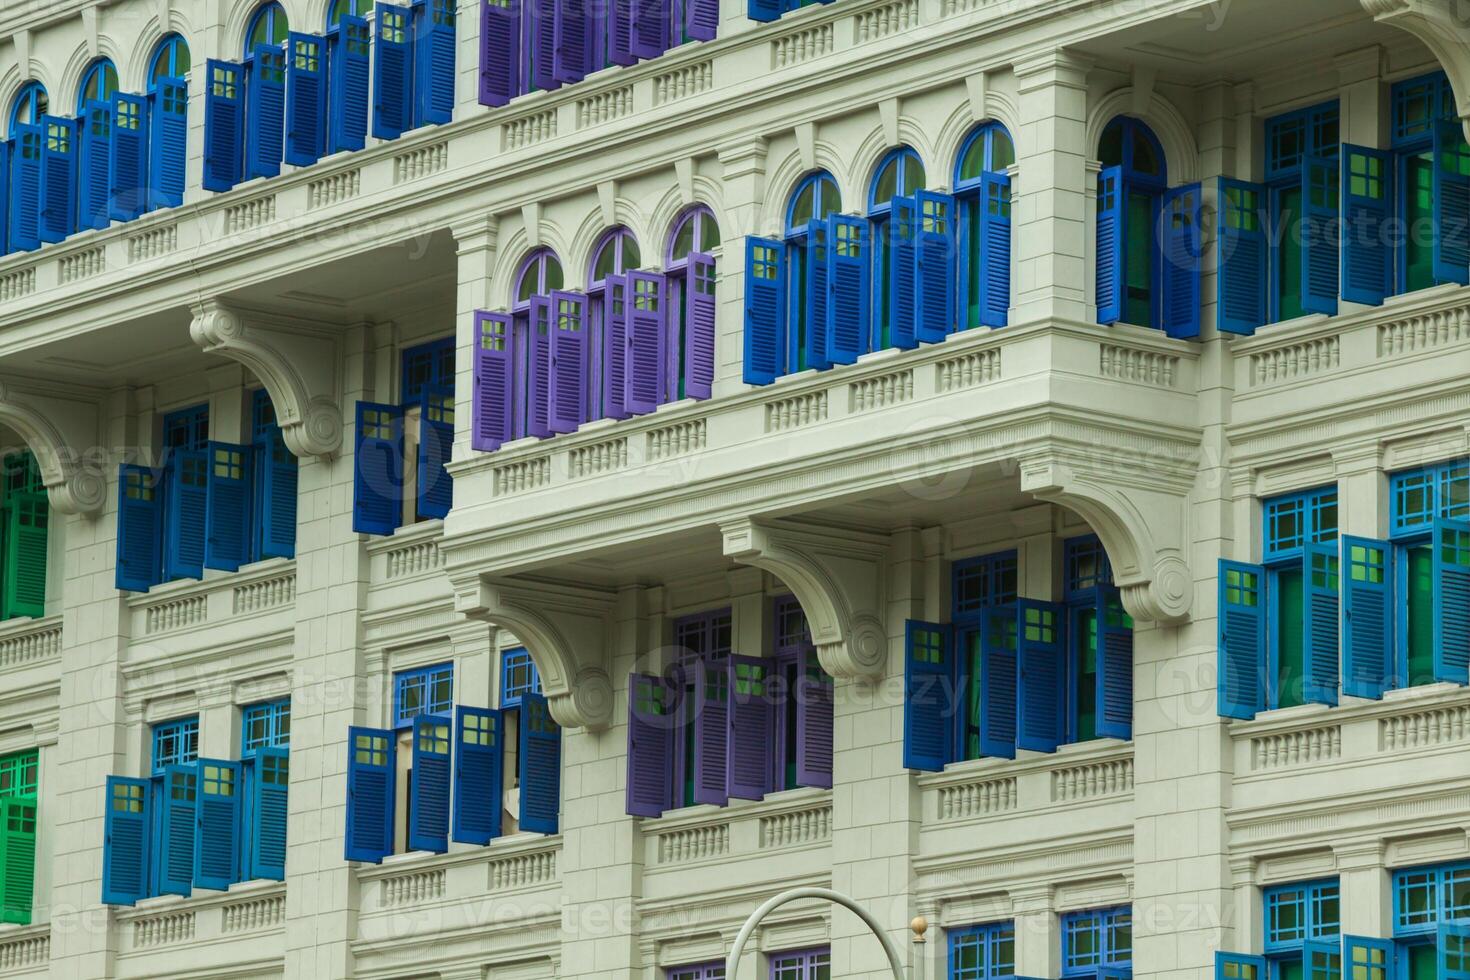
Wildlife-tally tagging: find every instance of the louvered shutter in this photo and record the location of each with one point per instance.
(903, 223)
(58, 191)
(139, 528)
(1320, 621)
(169, 143)
(572, 41)
(1114, 667)
(543, 44)
(428, 811)
(277, 496)
(567, 377)
(928, 695)
(1182, 246)
(1241, 269)
(94, 153)
(711, 732)
(25, 188)
(1319, 233)
(392, 72)
(228, 519)
(125, 841)
(1451, 203)
(747, 765)
(27, 515)
(479, 760)
(434, 39)
(702, 19)
(224, 125)
(764, 10)
(370, 794)
(270, 812)
(540, 766)
(765, 310)
(500, 51)
(848, 321)
(128, 170)
(538, 369)
(646, 328)
(493, 381)
(177, 822)
(217, 833)
(306, 83)
(1242, 625)
(1367, 250)
(347, 92)
(265, 117)
(1452, 940)
(1042, 696)
(814, 710)
(377, 469)
(186, 497)
(1451, 566)
(934, 277)
(1367, 617)
(436, 448)
(620, 33)
(995, 249)
(652, 725)
(999, 681)
(5, 152)
(699, 326)
(614, 341)
(650, 36)
(1110, 193)
(17, 858)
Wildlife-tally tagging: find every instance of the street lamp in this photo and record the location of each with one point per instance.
(826, 894)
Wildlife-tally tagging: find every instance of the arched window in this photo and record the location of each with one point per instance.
(814, 198)
(31, 103)
(691, 278)
(982, 186)
(813, 201)
(98, 84)
(347, 8)
(170, 60)
(609, 292)
(613, 256)
(900, 174)
(540, 273)
(695, 231)
(268, 26)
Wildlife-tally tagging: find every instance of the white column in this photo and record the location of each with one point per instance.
(744, 166)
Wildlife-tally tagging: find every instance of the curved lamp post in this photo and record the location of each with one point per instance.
(794, 894)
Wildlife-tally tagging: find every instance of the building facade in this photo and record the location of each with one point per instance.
(503, 489)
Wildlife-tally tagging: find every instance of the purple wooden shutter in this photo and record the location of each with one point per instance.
(568, 375)
(493, 381)
(500, 51)
(614, 346)
(711, 732)
(543, 44)
(646, 311)
(747, 753)
(571, 41)
(538, 368)
(813, 723)
(650, 28)
(702, 19)
(699, 326)
(620, 33)
(650, 758)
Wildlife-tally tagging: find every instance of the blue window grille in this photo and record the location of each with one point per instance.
(984, 952)
(427, 368)
(1294, 136)
(1417, 497)
(1086, 564)
(1097, 938)
(1298, 912)
(984, 581)
(1416, 103)
(1298, 519)
(175, 743)
(186, 430)
(265, 725)
(422, 691)
(262, 414)
(1425, 897)
(793, 632)
(704, 636)
(517, 676)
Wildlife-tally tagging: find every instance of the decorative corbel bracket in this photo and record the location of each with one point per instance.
(61, 433)
(1445, 31)
(297, 363)
(565, 628)
(838, 577)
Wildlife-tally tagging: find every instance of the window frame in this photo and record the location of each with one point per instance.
(1312, 927)
(1152, 186)
(1281, 178)
(181, 420)
(24, 766)
(267, 13)
(166, 55)
(32, 97)
(1440, 877)
(104, 72)
(992, 936)
(513, 659)
(431, 674)
(185, 729)
(1103, 923)
(988, 567)
(276, 715)
(1280, 557)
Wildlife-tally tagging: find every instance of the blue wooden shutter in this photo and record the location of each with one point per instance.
(995, 248)
(178, 814)
(1367, 617)
(1451, 563)
(572, 41)
(347, 91)
(1453, 942)
(1451, 203)
(1322, 959)
(620, 33)
(224, 125)
(538, 369)
(650, 36)
(25, 189)
(644, 370)
(699, 326)
(277, 496)
(567, 378)
(217, 839)
(125, 841)
(228, 519)
(702, 19)
(433, 32)
(1114, 667)
(848, 321)
(500, 51)
(127, 173)
(1042, 692)
(1110, 244)
(540, 766)
(814, 720)
(186, 509)
(479, 780)
(436, 448)
(652, 726)
(306, 78)
(903, 226)
(169, 144)
(1367, 199)
(747, 765)
(711, 722)
(543, 44)
(765, 310)
(265, 116)
(1368, 958)
(934, 286)
(1320, 621)
(58, 192)
(392, 73)
(764, 10)
(493, 381)
(1239, 966)
(1241, 270)
(5, 151)
(139, 528)
(1182, 247)
(1242, 626)
(1319, 232)
(370, 794)
(929, 696)
(269, 812)
(614, 340)
(999, 681)
(428, 812)
(377, 469)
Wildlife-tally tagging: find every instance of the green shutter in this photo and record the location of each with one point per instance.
(17, 858)
(23, 590)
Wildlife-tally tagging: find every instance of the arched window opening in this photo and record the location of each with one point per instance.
(983, 207)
